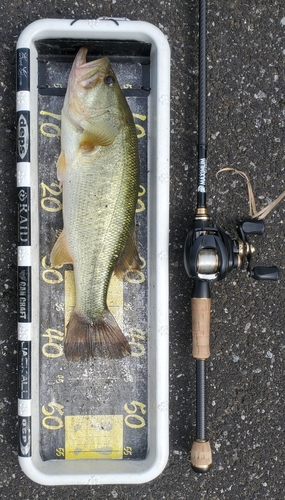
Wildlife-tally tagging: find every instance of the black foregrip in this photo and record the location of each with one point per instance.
(201, 290)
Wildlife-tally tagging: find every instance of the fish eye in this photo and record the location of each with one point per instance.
(109, 80)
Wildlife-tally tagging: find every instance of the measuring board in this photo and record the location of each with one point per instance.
(100, 421)
(95, 408)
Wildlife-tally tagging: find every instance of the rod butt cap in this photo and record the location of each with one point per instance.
(201, 456)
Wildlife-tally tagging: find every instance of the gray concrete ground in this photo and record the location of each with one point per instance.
(246, 107)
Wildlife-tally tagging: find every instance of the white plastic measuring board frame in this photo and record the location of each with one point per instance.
(92, 471)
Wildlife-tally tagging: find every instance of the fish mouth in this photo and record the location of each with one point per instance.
(88, 74)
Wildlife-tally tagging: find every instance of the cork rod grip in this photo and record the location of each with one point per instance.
(201, 309)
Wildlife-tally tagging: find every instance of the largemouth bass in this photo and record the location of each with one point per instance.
(99, 171)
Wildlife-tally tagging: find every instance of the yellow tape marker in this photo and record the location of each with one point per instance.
(93, 436)
(115, 299)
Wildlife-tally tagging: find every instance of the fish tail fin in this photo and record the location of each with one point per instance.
(100, 337)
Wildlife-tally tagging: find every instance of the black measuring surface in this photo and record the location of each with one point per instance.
(95, 409)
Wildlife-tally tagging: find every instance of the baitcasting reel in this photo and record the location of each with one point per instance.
(210, 254)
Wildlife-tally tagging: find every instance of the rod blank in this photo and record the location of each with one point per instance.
(202, 114)
(202, 131)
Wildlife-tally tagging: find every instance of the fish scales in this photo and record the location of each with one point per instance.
(107, 214)
(99, 171)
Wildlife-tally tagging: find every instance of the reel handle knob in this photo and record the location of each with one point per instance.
(265, 273)
(251, 226)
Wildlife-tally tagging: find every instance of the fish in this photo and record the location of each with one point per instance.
(98, 169)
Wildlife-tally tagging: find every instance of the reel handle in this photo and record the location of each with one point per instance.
(252, 226)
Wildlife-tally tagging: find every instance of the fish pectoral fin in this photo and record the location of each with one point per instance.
(60, 253)
(61, 167)
(129, 259)
(101, 133)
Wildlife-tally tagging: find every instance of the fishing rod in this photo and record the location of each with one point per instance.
(209, 255)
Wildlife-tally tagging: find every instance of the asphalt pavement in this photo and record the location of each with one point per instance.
(245, 374)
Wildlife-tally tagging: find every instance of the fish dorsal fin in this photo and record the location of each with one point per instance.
(129, 259)
(61, 167)
(60, 253)
(101, 133)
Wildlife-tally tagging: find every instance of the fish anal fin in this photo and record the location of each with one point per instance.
(98, 337)
(100, 133)
(60, 253)
(61, 167)
(129, 259)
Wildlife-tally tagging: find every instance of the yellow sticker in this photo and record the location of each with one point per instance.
(115, 297)
(93, 437)
(69, 293)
